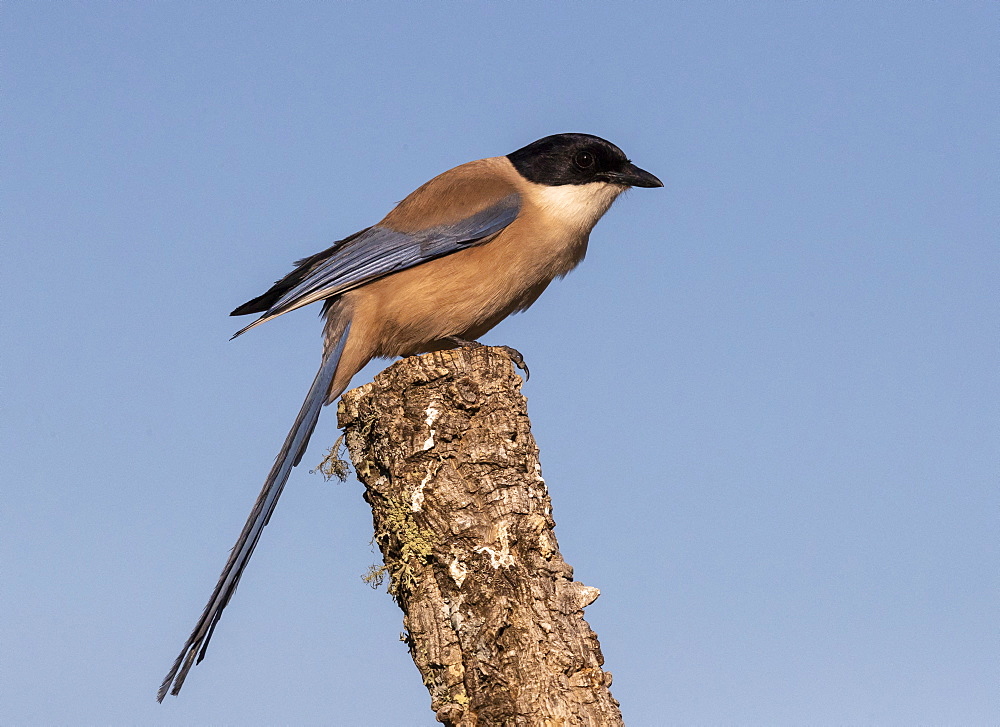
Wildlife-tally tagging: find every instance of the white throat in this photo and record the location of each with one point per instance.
(578, 206)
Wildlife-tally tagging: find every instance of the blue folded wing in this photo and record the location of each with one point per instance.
(375, 253)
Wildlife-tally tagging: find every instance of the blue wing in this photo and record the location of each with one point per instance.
(374, 253)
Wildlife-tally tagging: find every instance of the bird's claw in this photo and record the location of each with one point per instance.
(517, 359)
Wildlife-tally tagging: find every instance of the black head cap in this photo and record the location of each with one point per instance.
(578, 159)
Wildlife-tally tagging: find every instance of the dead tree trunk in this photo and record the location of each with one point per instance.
(494, 619)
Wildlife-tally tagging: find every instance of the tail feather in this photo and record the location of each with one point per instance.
(289, 456)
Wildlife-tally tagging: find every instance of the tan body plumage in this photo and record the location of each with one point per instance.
(469, 292)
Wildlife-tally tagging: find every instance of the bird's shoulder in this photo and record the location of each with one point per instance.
(455, 195)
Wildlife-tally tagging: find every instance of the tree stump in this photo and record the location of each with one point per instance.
(493, 617)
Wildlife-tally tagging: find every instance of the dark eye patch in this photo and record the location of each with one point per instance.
(567, 159)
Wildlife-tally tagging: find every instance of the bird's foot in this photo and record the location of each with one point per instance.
(512, 353)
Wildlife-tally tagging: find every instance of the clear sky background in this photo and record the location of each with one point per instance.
(767, 402)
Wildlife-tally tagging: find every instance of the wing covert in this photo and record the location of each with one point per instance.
(380, 251)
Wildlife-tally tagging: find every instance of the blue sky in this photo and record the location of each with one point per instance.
(767, 402)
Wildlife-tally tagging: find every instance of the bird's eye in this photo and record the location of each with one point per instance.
(584, 160)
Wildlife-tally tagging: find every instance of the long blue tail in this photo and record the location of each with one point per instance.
(290, 455)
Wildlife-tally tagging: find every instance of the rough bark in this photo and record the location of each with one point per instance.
(493, 617)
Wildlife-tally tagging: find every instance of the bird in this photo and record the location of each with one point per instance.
(462, 252)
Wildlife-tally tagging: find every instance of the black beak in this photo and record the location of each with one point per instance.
(632, 176)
